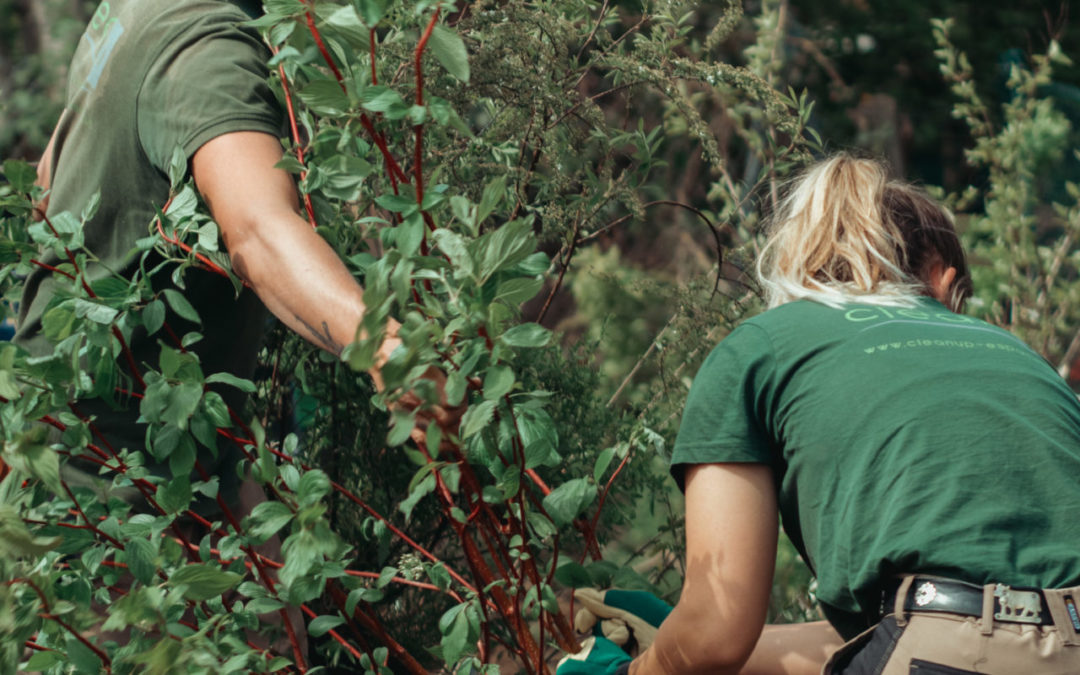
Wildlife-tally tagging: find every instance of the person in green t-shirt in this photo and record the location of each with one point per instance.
(150, 82)
(151, 79)
(925, 464)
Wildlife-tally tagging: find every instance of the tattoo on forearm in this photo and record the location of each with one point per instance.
(323, 337)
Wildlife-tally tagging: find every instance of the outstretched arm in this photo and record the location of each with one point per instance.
(731, 531)
(292, 269)
(793, 649)
(717, 627)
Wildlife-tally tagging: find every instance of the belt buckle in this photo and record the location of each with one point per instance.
(1017, 606)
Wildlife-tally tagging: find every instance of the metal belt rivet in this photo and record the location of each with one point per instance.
(925, 594)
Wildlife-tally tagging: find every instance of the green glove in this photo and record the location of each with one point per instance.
(598, 656)
(617, 615)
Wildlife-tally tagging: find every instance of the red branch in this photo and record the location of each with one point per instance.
(295, 131)
(418, 150)
(368, 622)
(310, 19)
(396, 174)
(52, 269)
(175, 241)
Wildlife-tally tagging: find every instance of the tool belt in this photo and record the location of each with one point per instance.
(1010, 605)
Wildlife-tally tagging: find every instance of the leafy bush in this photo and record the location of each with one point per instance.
(457, 159)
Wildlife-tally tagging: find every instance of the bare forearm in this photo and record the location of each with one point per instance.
(296, 274)
(299, 277)
(792, 649)
(782, 649)
(703, 634)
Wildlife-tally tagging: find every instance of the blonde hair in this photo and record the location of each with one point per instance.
(845, 233)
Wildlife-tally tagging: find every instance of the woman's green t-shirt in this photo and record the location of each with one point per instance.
(902, 441)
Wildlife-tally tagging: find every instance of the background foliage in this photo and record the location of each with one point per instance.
(493, 172)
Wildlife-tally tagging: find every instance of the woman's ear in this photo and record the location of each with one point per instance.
(940, 282)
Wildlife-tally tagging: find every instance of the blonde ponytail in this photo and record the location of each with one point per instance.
(845, 233)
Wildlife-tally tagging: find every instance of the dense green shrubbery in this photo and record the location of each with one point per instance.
(466, 162)
(457, 158)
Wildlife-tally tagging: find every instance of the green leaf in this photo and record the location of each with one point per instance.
(57, 323)
(139, 555)
(396, 203)
(175, 495)
(182, 457)
(421, 490)
(454, 626)
(240, 383)
(439, 576)
(183, 400)
(347, 21)
(418, 115)
(603, 460)
(489, 201)
(456, 384)
(153, 316)
(325, 97)
(203, 581)
(565, 502)
(18, 541)
(498, 381)
(401, 427)
(371, 11)
(539, 436)
(42, 661)
(264, 605)
(29, 454)
(321, 624)
(382, 99)
(526, 335)
(181, 306)
(313, 486)
(506, 247)
(516, 291)
(82, 657)
(476, 418)
(267, 518)
(409, 234)
(217, 410)
(178, 167)
(278, 34)
(94, 311)
(455, 248)
(20, 174)
(449, 50)
(111, 288)
(573, 575)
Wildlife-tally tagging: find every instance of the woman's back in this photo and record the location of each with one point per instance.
(903, 440)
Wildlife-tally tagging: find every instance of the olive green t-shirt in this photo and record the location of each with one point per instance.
(148, 77)
(902, 441)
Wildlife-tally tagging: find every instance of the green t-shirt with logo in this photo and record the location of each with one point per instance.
(148, 77)
(901, 440)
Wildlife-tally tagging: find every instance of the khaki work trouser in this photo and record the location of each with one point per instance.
(931, 643)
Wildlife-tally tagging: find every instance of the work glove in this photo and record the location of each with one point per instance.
(617, 620)
(598, 656)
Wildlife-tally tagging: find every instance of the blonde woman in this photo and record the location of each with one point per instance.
(925, 463)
